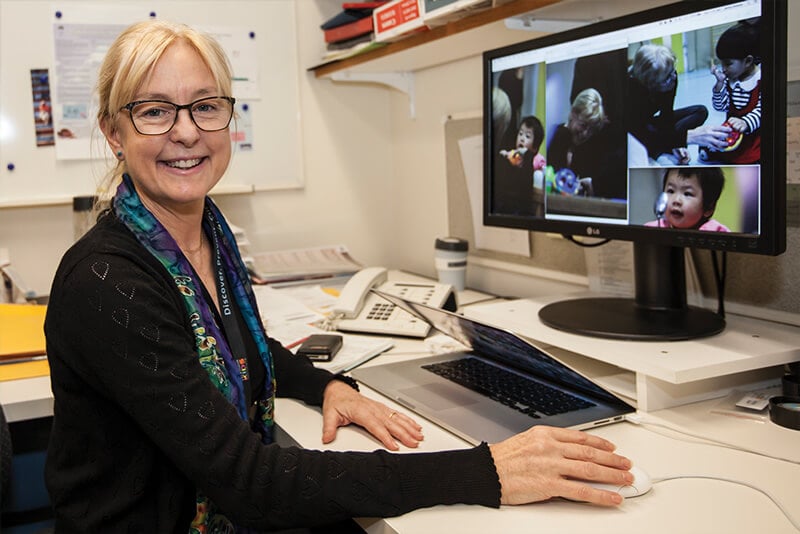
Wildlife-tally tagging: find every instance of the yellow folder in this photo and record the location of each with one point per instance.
(21, 330)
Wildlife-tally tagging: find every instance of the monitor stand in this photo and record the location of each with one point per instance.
(658, 312)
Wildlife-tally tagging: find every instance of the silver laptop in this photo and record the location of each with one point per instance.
(498, 387)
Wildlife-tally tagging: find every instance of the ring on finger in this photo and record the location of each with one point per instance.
(391, 415)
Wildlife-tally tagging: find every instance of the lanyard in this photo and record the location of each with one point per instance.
(230, 324)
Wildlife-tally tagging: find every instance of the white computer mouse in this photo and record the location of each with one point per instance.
(641, 484)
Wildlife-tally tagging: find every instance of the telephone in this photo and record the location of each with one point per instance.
(360, 310)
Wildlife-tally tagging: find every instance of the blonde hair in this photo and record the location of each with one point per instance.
(131, 59)
(587, 115)
(651, 63)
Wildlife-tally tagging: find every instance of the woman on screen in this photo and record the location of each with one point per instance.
(591, 147)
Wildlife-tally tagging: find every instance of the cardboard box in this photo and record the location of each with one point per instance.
(397, 18)
(438, 12)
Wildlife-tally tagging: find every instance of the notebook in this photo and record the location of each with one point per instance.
(461, 392)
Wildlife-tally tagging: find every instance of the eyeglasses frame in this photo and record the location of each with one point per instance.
(178, 107)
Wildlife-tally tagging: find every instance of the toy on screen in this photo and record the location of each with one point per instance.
(566, 181)
(514, 156)
(734, 138)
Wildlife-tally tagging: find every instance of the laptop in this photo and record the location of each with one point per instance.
(498, 386)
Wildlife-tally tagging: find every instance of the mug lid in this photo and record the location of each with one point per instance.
(452, 243)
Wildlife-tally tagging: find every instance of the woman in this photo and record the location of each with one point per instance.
(164, 380)
(590, 146)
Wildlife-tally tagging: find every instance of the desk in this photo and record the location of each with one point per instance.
(685, 506)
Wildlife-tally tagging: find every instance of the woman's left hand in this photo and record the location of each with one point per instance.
(343, 405)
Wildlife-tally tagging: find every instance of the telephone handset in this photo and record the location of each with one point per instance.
(360, 310)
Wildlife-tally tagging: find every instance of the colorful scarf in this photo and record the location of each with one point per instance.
(225, 371)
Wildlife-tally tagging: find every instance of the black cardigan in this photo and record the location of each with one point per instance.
(138, 425)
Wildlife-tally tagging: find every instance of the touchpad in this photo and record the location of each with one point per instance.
(438, 396)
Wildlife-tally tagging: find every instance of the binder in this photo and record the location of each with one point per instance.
(21, 331)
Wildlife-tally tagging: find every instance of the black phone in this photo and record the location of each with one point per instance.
(321, 347)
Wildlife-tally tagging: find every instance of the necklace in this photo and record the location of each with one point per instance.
(197, 249)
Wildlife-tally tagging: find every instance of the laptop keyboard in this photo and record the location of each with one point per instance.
(522, 394)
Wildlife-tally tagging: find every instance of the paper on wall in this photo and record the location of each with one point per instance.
(487, 237)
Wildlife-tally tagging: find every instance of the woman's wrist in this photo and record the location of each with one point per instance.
(349, 380)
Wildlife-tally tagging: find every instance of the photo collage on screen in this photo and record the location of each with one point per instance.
(658, 130)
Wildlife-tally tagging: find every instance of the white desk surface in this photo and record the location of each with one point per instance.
(685, 506)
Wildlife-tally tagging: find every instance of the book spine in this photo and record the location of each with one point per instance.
(348, 31)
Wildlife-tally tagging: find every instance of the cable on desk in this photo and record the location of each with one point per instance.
(638, 420)
(720, 274)
(768, 495)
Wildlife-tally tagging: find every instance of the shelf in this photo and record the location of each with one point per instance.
(749, 354)
(491, 17)
(477, 32)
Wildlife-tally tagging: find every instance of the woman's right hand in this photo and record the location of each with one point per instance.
(709, 136)
(545, 462)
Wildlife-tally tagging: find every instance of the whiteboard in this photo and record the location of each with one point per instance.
(31, 175)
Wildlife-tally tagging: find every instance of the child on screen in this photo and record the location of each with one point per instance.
(690, 197)
(529, 138)
(737, 92)
(516, 171)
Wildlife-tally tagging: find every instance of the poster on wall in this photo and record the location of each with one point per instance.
(42, 107)
(79, 50)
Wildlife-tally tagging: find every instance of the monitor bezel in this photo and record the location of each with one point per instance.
(772, 209)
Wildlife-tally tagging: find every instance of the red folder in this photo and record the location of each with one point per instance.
(363, 5)
(348, 31)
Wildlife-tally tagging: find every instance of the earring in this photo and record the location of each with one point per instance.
(119, 154)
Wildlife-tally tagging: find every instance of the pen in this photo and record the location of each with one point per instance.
(23, 359)
(293, 344)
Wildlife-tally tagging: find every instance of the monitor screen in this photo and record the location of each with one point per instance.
(665, 127)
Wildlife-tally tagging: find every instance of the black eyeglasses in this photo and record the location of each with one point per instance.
(157, 117)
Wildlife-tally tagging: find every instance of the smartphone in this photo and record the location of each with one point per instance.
(321, 347)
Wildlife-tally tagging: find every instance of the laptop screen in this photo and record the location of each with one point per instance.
(502, 346)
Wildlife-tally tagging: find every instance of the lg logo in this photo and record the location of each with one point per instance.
(592, 231)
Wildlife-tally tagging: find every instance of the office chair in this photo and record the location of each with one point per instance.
(24, 503)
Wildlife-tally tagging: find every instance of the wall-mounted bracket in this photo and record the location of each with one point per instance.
(529, 22)
(401, 81)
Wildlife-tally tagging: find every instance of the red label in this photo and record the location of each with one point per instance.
(393, 15)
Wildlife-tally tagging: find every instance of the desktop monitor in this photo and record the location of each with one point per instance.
(665, 127)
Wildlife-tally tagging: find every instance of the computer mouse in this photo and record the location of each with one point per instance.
(641, 484)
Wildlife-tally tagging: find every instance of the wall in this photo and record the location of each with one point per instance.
(347, 150)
